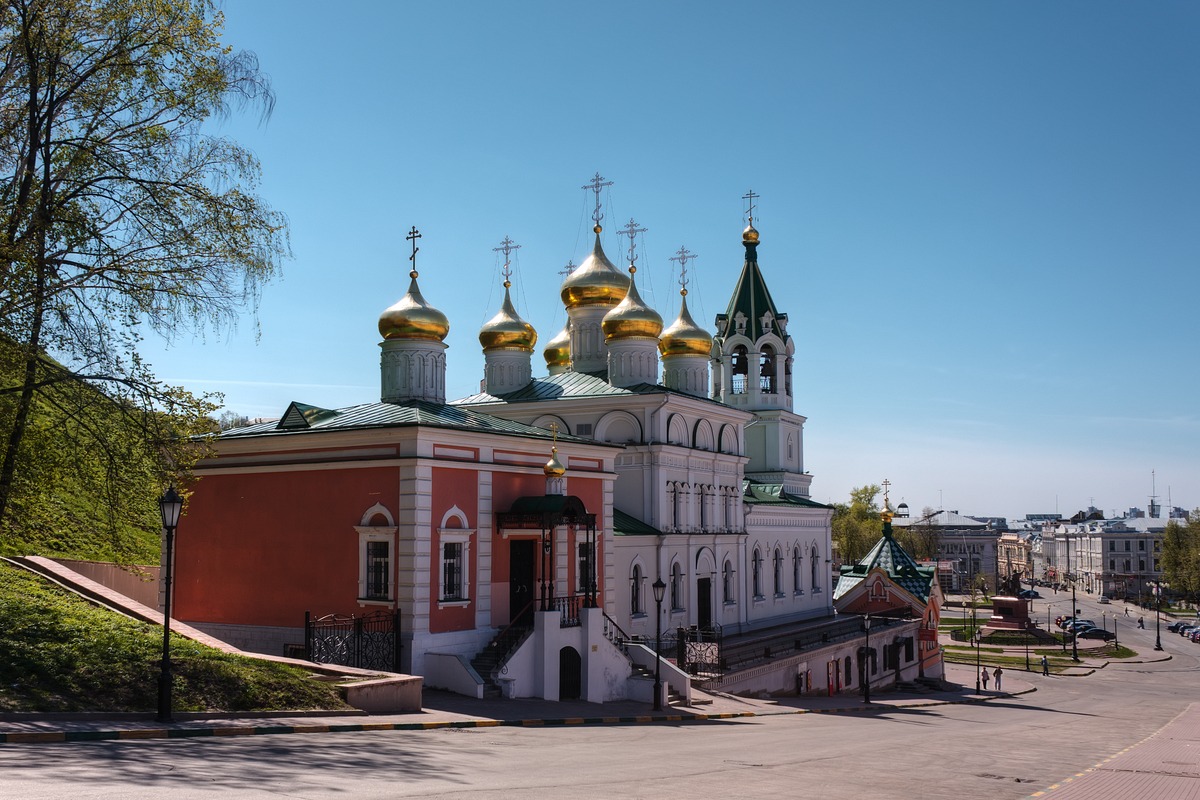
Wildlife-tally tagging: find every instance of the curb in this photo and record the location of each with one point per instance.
(55, 737)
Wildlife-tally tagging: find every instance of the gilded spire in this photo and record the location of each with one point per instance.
(595, 282)
(506, 330)
(554, 468)
(684, 336)
(412, 317)
(750, 235)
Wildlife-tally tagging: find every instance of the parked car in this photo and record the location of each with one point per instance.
(1096, 633)
(1028, 594)
(1186, 630)
(1195, 635)
(1076, 625)
(1103, 600)
(1175, 626)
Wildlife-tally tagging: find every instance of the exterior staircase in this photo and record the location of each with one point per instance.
(488, 661)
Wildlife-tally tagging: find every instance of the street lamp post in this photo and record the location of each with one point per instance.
(170, 504)
(1157, 615)
(866, 660)
(660, 589)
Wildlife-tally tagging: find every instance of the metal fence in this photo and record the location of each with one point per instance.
(367, 642)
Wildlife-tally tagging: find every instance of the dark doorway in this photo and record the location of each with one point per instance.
(570, 674)
(704, 602)
(522, 572)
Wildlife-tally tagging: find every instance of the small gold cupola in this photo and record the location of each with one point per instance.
(506, 330)
(558, 351)
(412, 317)
(632, 318)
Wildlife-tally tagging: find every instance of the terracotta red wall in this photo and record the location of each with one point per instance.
(262, 549)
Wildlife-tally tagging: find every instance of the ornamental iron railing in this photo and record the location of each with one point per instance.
(371, 641)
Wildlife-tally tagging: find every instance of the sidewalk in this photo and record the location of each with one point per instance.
(446, 710)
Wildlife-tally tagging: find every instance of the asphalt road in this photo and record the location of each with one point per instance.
(1008, 748)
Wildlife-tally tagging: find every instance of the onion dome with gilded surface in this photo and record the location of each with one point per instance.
(558, 350)
(750, 235)
(506, 330)
(596, 282)
(684, 336)
(413, 318)
(631, 318)
(554, 468)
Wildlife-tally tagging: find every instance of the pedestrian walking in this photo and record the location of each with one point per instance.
(1142, 623)
(983, 676)
(998, 674)
(1127, 611)
(1045, 666)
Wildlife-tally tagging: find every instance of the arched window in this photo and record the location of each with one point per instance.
(849, 674)
(635, 590)
(787, 375)
(739, 369)
(766, 370)
(791, 449)
(796, 559)
(778, 572)
(815, 568)
(676, 587)
(757, 564)
(727, 583)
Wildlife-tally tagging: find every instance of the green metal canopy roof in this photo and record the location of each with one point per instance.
(300, 418)
(756, 493)
(627, 525)
(901, 568)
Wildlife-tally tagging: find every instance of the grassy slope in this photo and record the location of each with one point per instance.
(60, 653)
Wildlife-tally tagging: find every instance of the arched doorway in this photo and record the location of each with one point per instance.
(570, 674)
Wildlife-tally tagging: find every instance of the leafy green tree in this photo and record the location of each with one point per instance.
(921, 538)
(119, 210)
(1181, 555)
(857, 525)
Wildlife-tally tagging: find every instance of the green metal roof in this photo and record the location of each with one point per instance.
(901, 568)
(300, 418)
(566, 384)
(752, 299)
(626, 525)
(755, 493)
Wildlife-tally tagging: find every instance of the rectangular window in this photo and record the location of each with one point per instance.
(378, 569)
(1112, 547)
(1112, 565)
(1141, 565)
(1141, 544)
(452, 571)
(584, 572)
(1126, 545)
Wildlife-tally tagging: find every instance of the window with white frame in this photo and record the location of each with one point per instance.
(796, 571)
(455, 573)
(756, 563)
(676, 587)
(727, 583)
(815, 566)
(635, 591)
(777, 572)
(376, 557)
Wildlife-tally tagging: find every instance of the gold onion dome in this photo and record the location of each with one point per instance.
(558, 349)
(631, 318)
(596, 282)
(554, 468)
(506, 330)
(684, 337)
(413, 318)
(750, 235)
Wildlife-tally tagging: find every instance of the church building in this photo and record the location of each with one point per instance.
(517, 534)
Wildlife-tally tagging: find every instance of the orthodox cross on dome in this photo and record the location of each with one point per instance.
(413, 235)
(749, 197)
(568, 269)
(596, 184)
(632, 230)
(554, 431)
(886, 484)
(683, 255)
(506, 247)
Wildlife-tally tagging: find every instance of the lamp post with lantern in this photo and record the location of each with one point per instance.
(660, 589)
(170, 504)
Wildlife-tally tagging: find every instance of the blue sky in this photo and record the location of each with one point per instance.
(981, 218)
